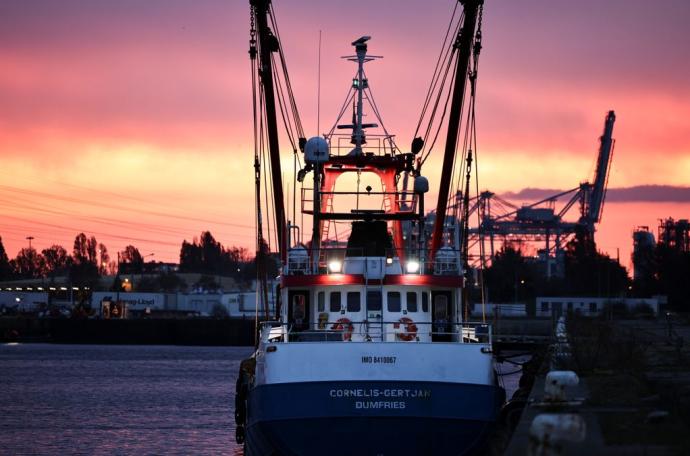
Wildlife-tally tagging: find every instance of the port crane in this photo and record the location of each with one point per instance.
(502, 220)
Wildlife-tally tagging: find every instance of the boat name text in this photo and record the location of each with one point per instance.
(378, 359)
(375, 392)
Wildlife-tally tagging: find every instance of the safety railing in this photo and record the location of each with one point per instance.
(331, 260)
(344, 330)
(377, 144)
(403, 202)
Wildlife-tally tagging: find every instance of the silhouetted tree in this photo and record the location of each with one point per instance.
(103, 259)
(673, 276)
(84, 249)
(211, 254)
(588, 272)
(29, 264)
(57, 261)
(5, 268)
(131, 260)
(205, 255)
(190, 257)
(84, 267)
(510, 277)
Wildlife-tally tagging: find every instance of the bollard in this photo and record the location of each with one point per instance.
(549, 431)
(555, 384)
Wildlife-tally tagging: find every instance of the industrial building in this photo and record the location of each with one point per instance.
(132, 305)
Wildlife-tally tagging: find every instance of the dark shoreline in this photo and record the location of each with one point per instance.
(144, 331)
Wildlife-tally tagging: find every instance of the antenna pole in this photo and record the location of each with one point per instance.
(318, 91)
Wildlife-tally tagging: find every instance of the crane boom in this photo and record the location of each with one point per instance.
(601, 174)
(268, 43)
(464, 47)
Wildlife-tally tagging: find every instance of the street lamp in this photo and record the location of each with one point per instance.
(143, 265)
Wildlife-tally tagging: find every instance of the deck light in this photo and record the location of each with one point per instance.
(334, 266)
(412, 267)
(389, 260)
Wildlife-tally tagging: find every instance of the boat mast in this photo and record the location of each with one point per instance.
(268, 43)
(463, 44)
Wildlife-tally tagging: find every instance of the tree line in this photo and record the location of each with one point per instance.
(512, 277)
(89, 260)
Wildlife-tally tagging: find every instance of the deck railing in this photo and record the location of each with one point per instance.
(377, 331)
(446, 261)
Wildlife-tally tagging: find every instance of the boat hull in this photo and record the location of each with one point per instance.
(370, 418)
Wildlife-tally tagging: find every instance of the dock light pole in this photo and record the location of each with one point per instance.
(143, 264)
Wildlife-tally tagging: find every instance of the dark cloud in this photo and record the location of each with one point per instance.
(636, 194)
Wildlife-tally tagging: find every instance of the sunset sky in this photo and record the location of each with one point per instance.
(131, 120)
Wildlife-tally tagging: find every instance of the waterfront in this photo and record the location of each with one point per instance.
(124, 399)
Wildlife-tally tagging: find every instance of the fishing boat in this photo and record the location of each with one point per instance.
(369, 352)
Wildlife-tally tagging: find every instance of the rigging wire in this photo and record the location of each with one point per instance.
(446, 58)
(350, 96)
(443, 55)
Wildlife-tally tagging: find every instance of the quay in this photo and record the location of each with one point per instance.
(631, 396)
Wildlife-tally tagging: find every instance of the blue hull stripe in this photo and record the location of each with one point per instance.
(378, 418)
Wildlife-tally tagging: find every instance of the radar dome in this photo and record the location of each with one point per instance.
(316, 150)
(421, 184)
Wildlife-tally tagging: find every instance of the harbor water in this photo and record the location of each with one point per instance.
(122, 400)
(88, 399)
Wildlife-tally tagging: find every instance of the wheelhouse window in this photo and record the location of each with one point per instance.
(373, 300)
(411, 301)
(298, 308)
(335, 302)
(441, 310)
(394, 301)
(321, 301)
(425, 301)
(354, 303)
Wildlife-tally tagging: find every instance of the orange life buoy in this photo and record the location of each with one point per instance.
(410, 332)
(345, 325)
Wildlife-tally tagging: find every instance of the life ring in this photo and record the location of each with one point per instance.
(345, 325)
(410, 332)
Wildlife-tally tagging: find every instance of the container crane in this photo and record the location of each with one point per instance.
(540, 221)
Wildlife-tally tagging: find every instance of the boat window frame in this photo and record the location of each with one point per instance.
(321, 301)
(378, 308)
(331, 301)
(442, 305)
(407, 301)
(359, 301)
(398, 308)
